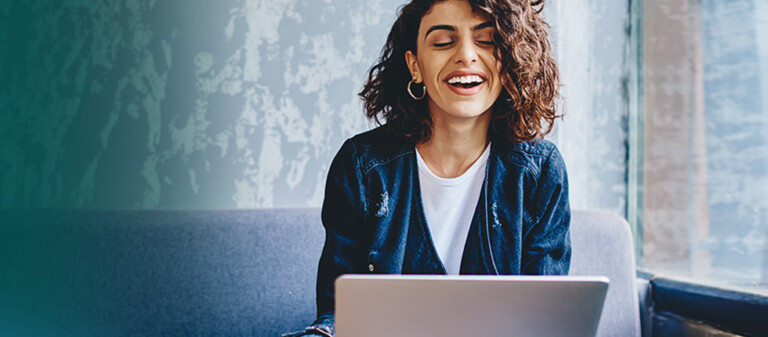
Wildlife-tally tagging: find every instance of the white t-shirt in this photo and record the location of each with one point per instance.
(449, 205)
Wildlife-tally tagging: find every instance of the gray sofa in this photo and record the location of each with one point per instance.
(214, 273)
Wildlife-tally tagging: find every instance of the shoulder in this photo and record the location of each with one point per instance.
(376, 147)
(534, 156)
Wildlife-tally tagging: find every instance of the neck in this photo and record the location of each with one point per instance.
(455, 144)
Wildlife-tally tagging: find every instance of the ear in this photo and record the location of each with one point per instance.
(413, 66)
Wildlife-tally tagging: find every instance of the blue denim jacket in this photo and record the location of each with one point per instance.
(375, 223)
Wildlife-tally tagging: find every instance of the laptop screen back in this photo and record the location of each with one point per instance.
(448, 306)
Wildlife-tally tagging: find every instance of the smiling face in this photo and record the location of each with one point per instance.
(455, 59)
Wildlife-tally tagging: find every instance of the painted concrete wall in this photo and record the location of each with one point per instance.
(242, 104)
(592, 42)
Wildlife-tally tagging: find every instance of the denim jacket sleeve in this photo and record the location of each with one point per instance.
(547, 247)
(343, 214)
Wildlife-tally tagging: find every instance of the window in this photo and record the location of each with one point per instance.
(699, 140)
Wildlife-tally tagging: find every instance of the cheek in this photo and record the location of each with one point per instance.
(495, 67)
(429, 68)
(492, 63)
(497, 86)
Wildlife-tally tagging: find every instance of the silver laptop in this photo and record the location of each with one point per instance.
(468, 306)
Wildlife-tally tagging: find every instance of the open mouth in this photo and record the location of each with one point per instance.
(466, 82)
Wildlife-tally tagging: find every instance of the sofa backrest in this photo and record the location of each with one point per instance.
(602, 245)
(213, 273)
(158, 273)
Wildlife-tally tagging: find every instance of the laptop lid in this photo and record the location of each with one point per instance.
(453, 306)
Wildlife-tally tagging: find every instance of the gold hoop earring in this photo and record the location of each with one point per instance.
(424, 94)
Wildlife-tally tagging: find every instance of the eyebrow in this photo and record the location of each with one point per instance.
(453, 28)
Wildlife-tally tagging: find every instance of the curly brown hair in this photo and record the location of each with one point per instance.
(526, 110)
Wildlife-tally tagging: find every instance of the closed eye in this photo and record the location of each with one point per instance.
(445, 44)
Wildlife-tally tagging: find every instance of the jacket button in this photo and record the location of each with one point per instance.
(370, 267)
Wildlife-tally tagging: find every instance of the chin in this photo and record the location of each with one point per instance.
(468, 109)
(460, 108)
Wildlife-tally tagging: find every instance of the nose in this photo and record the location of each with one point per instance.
(465, 52)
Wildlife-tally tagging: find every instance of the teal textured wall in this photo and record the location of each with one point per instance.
(242, 104)
(179, 104)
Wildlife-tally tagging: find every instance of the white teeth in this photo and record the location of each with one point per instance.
(465, 79)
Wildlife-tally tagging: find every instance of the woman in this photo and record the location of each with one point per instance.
(458, 180)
